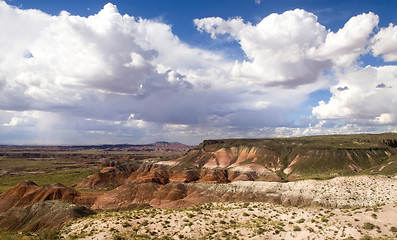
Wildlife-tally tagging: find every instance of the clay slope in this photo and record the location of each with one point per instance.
(174, 195)
(109, 177)
(48, 215)
(292, 158)
(338, 192)
(28, 193)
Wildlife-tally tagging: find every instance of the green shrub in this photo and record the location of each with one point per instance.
(368, 226)
(297, 228)
(126, 224)
(301, 220)
(366, 237)
(117, 237)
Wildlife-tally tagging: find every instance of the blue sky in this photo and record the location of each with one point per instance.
(92, 72)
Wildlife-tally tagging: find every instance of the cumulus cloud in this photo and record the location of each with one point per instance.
(385, 43)
(351, 41)
(117, 78)
(277, 48)
(323, 127)
(366, 102)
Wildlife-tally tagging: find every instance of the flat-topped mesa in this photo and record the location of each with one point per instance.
(293, 158)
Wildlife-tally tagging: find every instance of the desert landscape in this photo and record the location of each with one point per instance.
(198, 119)
(319, 187)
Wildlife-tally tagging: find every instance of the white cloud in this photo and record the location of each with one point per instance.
(15, 121)
(277, 48)
(116, 78)
(364, 101)
(385, 43)
(323, 128)
(351, 41)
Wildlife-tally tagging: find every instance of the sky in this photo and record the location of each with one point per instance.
(140, 71)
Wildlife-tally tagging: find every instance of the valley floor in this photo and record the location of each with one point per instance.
(239, 221)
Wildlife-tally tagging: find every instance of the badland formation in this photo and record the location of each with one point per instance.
(336, 187)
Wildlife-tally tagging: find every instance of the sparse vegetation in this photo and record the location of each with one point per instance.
(220, 222)
(368, 226)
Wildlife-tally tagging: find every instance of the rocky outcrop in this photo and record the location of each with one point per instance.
(48, 215)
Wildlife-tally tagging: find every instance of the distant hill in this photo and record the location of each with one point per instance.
(157, 146)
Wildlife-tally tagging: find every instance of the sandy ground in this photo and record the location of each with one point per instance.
(239, 221)
(355, 191)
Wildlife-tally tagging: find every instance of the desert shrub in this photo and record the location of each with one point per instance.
(126, 224)
(368, 226)
(49, 235)
(393, 229)
(324, 219)
(260, 231)
(366, 237)
(297, 228)
(117, 237)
